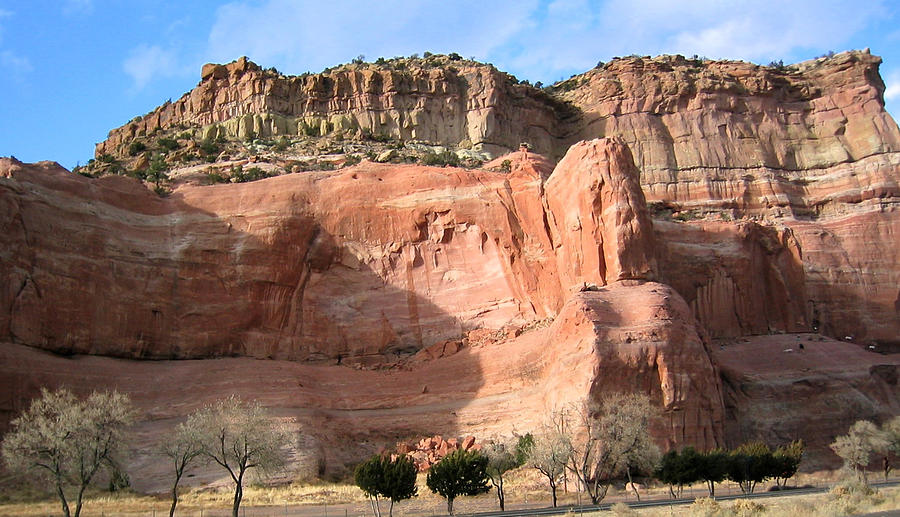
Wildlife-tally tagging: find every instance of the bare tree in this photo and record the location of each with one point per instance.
(856, 447)
(500, 461)
(182, 449)
(611, 439)
(551, 451)
(239, 436)
(68, 440)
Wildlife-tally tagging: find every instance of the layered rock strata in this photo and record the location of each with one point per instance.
(458, 103)
(285, 268)
(626, 336)
(806, 150)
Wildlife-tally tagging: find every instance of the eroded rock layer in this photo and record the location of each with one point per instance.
(371, 261)
(462, 103)
(624, 336)
(396, 301)
(805, 152)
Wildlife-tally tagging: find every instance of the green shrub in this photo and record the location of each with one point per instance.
(393, 479)
(239, 175)
(169, 144)
(136, 148)
(441, 159)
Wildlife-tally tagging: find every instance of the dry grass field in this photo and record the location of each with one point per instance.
(525, 489)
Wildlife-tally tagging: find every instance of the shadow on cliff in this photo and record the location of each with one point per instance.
(338, 343)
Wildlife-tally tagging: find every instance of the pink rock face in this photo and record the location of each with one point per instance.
(400, 301)
(365, 264)
(635, 336)
(739, 278)
(809, 152)
(598, 215)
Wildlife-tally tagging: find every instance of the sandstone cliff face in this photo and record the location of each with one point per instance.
(371, 261)
(765, 202)
(633, 336)
(462, 103)
(807, 152)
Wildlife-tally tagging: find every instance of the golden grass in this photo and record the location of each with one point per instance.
(524, 486)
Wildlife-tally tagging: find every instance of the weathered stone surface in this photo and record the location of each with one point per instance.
(739, 278)
(598, 215)
(781, 387)
(365, 264)
(774, 202)
(808, 152)
(636, 336)
(448, 105)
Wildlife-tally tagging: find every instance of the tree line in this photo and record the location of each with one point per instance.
(68, 441)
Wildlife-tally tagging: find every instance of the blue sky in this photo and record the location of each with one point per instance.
(70, 70)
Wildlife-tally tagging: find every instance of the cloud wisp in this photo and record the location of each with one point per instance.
(148, 62)
(310, 35)
(14, 64)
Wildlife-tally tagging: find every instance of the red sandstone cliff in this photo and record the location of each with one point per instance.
(764, 201)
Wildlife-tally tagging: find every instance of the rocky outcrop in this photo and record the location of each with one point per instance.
(598, 215)
(411, 300)
(459, 103)
(282, 268)
(739, 278)
(777, 388)
(807, 152)
(626, 336)
(430, 450)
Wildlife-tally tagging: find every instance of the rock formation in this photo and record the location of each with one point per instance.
(438, 100)
(700, 216)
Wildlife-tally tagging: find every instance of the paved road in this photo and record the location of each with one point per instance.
(675, 502)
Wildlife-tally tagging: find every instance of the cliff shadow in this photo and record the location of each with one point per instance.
(206, 296)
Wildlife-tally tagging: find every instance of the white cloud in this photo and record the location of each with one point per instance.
(581, 32)
(11, 62)
(77, 6)
(309, 35)
(535, 39)
(146, 63)
(3, 14)
(892, 84)
(17, 63)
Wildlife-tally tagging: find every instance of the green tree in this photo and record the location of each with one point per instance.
(459, 473)
(750, 464)
(157, 173)
(500, 461)
(713, 468)
(524, 444)
(67, 441)
(787, 461)
(394, 479)
(677, 469)
(239, 436)
(182, 449)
